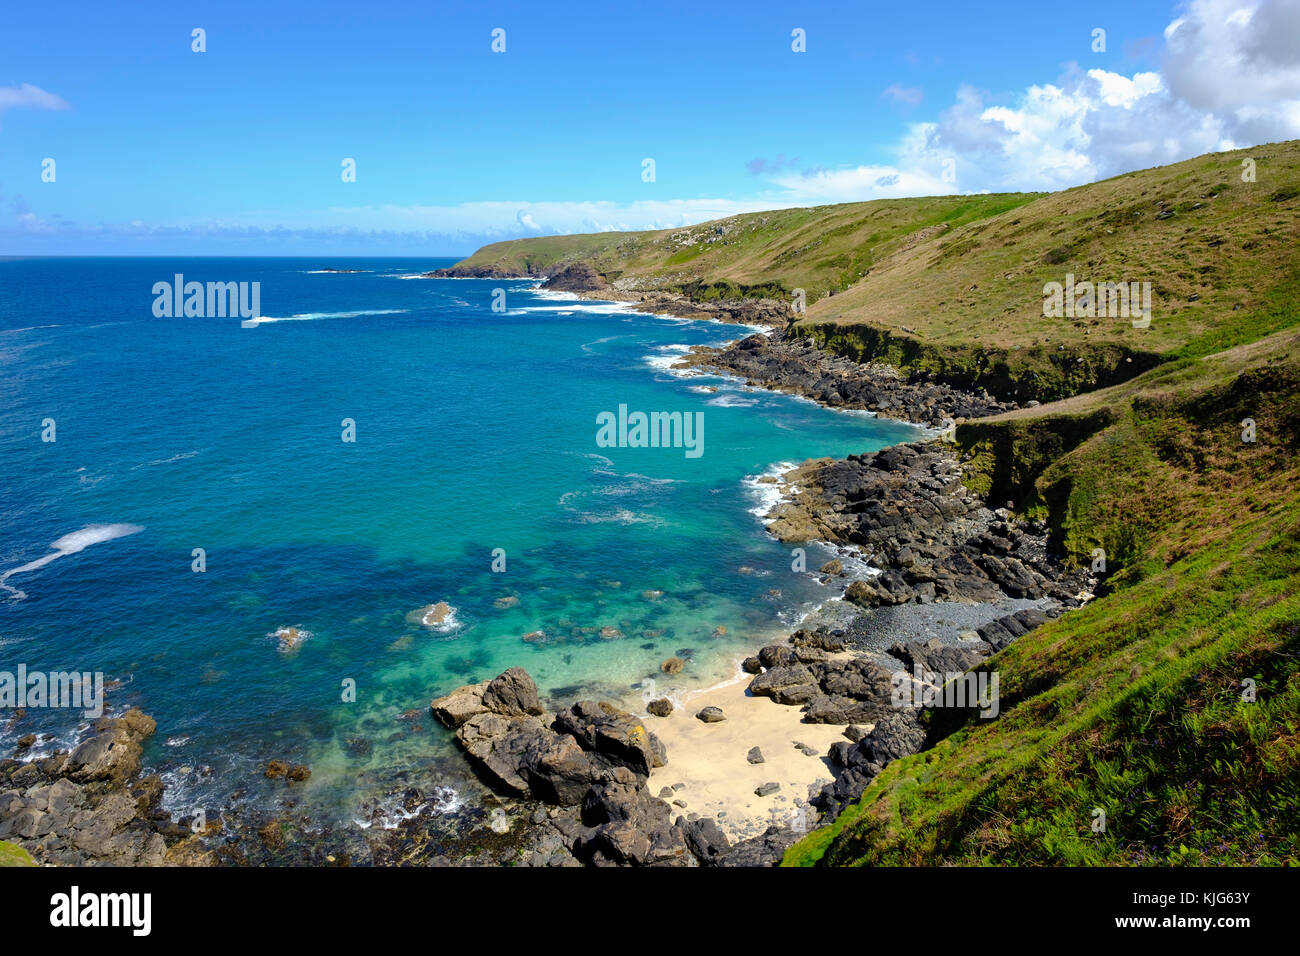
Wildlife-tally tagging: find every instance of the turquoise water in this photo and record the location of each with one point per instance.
(475, 430)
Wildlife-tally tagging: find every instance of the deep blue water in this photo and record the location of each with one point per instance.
(475, 431)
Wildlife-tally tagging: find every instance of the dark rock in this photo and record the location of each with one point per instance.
(794, 684)
(512, 694)
(764, 850)
(705, 839)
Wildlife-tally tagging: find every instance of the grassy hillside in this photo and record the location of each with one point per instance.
(1133, 704)
(952, 287)
(821, 249)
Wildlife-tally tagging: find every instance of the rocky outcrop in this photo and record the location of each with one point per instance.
(1004, 630)
(767, 849)
(908, 510)
(91, 806)
(591, 761)
(896, 734)
(577, 277)
(628, 826)
(788, 364)
(556, 758)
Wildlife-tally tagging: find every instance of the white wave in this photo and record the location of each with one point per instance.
(593, 308)
(669, 355)
(605, 463)
(388, 813)
(78, 540)
(30, 328)
(731, 401)
(654, 481)
(165, 461)
(331, 272)
(586, 347)
(311, 316)
(622, 516)
(290, 638)
(768, 494)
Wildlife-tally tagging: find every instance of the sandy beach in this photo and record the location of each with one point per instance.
(708, 760)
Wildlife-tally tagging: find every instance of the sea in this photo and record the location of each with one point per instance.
(248, 528)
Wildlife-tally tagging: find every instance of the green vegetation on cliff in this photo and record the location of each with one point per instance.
(11, 854)
(1171, 703)
(1133, 704)
(818, 249)
(951, 287)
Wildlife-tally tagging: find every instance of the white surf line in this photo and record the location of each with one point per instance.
(70, 544)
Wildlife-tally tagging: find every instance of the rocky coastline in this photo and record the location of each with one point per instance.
(92, 806)
(938, 581)
(932, 546)
(583, 280)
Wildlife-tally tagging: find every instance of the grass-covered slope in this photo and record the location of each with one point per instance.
(1134, 703)
(952, 286)
(820, 249)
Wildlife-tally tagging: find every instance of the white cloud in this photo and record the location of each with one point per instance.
(907, 95)
(1229, 77)
(30, 97)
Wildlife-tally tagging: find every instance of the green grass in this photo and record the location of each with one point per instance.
(1133, 704)
(768, 254)
(13, 855)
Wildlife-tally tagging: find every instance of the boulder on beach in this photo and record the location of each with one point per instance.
(660, 708)
(711, 715)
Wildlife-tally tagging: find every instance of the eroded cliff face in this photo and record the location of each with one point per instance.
(1035, 374)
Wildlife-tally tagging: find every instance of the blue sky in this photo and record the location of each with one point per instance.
(238, 150)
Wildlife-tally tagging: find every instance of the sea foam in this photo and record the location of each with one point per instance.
(78, 540)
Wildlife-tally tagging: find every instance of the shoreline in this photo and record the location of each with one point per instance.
(706, 779)
(944, 612)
